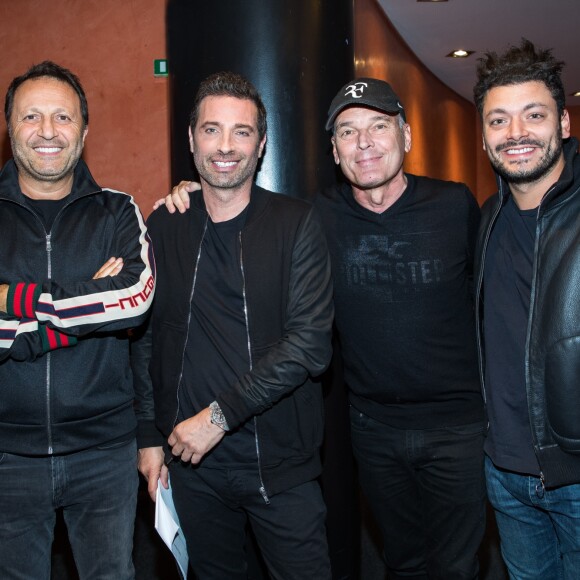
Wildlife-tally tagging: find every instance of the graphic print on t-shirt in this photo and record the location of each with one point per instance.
(397, 265)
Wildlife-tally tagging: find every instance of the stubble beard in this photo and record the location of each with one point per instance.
(49, 173)
(244, 172)
(522, 175)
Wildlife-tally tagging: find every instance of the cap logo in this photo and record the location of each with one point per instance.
(356, 90)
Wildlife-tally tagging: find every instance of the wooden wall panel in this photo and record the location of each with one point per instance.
(444, 128)
(111, 46)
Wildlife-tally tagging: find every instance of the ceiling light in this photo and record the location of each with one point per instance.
(576, 94)
(431, 0)
(460, 53)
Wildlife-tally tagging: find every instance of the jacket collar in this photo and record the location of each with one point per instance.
(570, 175)
(83, 182)
(259, 200)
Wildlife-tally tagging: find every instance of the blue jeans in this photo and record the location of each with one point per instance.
(539, 528)
(97, 490)
(426, 489)
(215, 505)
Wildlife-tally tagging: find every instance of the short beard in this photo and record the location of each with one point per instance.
(225, 181)
(523, 176)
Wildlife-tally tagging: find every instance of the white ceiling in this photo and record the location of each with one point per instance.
(434, 29)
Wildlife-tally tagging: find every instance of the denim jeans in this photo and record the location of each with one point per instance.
(539, 528)
(97, 491)
(215, 505)
(426, 489)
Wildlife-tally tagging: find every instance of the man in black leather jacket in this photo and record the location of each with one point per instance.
(527, 302)
(240, 325)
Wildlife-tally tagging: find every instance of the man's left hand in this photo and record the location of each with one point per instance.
(193, 438)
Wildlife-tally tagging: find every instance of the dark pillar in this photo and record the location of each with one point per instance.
(297, 53)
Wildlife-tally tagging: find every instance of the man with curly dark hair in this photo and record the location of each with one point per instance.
(528, 312)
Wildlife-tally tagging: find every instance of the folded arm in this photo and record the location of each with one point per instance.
(110, 302)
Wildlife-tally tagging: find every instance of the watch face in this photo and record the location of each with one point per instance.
(217, 417)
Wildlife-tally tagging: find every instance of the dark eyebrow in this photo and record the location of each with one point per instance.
(244, 126)
(500, 110)
(236, 126)
(534, 105)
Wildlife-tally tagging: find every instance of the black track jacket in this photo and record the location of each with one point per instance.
(65, 377)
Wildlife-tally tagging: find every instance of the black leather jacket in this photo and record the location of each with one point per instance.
(288, 299)
(552, 361)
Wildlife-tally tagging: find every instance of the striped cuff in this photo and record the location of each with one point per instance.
(53, 339)
(22, 299)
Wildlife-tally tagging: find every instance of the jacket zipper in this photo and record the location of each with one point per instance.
(48, 248)
(478, 290)
(262, 488)
(189, 321)
(533, 286)
(48, 245)
(47, 384)
(48, 356)
(540, 488)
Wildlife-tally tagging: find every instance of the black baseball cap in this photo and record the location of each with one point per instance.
(367, 92)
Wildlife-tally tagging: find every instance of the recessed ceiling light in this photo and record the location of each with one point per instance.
(576, 94)
(460, 53)
(431, 0)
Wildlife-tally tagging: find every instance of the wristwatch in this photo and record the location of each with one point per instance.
(217, 417)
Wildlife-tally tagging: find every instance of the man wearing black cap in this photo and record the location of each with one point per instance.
(401, 248)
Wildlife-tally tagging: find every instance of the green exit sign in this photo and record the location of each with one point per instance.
(160, 67)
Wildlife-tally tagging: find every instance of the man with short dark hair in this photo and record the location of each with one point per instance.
(240, 326)
(528, 312)
(75, 274)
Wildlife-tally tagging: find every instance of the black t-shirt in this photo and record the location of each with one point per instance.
(507, 285)
(216, 353)
(46, 209)
(403, 303)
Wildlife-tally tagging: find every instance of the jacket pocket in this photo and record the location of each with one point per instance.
(294, 425)
(563, 393)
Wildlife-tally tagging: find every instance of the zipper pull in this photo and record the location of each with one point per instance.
(540, 487)
(264, 495)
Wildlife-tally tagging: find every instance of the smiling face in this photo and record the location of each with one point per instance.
(522, 134)
(225, 142)
(47, 133)
(370, 147)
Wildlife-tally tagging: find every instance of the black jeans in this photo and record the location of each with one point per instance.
(426, 489)
(214, 506)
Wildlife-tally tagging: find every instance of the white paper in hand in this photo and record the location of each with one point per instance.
(167, 526)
